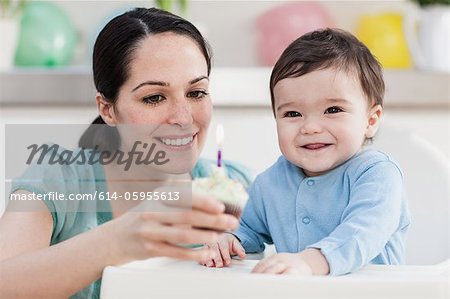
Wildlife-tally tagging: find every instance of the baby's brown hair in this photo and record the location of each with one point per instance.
(330, 48)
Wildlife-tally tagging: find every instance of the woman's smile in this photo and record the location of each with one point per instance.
(177, 142)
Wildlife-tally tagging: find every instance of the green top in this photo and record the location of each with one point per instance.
(88, 179)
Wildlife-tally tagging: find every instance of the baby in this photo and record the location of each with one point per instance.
(329, 205)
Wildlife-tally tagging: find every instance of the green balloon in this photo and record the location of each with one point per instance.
(47, 37)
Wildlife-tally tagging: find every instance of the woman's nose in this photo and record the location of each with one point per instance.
(180, 113)
(311, 126)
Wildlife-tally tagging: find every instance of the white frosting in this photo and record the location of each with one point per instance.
(220, 186)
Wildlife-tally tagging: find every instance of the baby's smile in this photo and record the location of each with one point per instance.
(315, 146)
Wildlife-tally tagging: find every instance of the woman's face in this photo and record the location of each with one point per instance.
(167, 97)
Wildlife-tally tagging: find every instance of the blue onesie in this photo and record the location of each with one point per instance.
(355, 214)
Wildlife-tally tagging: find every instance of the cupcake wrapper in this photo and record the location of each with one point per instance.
(232, 209)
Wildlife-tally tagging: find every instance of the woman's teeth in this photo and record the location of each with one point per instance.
(177, 141)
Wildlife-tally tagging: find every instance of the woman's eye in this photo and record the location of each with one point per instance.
(153, 100)
(292, 114)
(197, 94)
(333, 110)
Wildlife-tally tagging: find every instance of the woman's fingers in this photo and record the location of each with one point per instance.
(169, 250)
(207, 204)
(198, 225)
(194, 218)
(177, 235)
(199, 202)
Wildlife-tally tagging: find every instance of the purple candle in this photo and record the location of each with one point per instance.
(219, 140)
(219, 158)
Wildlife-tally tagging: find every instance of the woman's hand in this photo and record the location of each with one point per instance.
(142, 234)
(222, 250)
(308, 262)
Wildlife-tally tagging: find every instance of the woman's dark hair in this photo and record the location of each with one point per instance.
(330, 48)
(113, 54)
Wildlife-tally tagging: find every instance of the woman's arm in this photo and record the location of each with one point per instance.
(41, 271)
(21, 231)
(29, 267)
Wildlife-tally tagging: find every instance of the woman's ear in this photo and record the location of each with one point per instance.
(373, 121)
(106, 110)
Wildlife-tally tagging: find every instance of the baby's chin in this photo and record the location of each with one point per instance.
(316, 170)
(313, 173)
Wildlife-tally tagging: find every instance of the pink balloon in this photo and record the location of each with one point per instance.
(280, 26)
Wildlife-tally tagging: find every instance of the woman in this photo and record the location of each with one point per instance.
(150, 68)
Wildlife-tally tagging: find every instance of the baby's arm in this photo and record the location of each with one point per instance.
(249, 237)
(253, 232)
(368, 222)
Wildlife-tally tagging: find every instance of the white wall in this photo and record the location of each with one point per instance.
(250, 133)
(230, 25)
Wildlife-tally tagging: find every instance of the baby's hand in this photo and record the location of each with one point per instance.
(227, 246)
(283, 263)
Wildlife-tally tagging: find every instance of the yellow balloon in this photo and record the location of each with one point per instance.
(383, 34)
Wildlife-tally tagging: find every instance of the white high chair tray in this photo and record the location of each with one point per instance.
(170, 278)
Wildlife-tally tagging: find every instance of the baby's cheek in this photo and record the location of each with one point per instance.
(284, 144)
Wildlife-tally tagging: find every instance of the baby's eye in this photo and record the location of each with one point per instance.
(333, 110)
(153, 99)
(292, 114)
(197, 94)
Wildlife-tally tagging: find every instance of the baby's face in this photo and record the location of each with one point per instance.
(323, 118)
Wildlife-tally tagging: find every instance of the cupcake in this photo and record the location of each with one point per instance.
(232, 193)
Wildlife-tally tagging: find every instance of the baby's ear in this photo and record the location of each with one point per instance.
(373, 121)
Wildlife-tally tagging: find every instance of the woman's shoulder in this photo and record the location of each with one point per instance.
(54, 168)
(58, 177)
